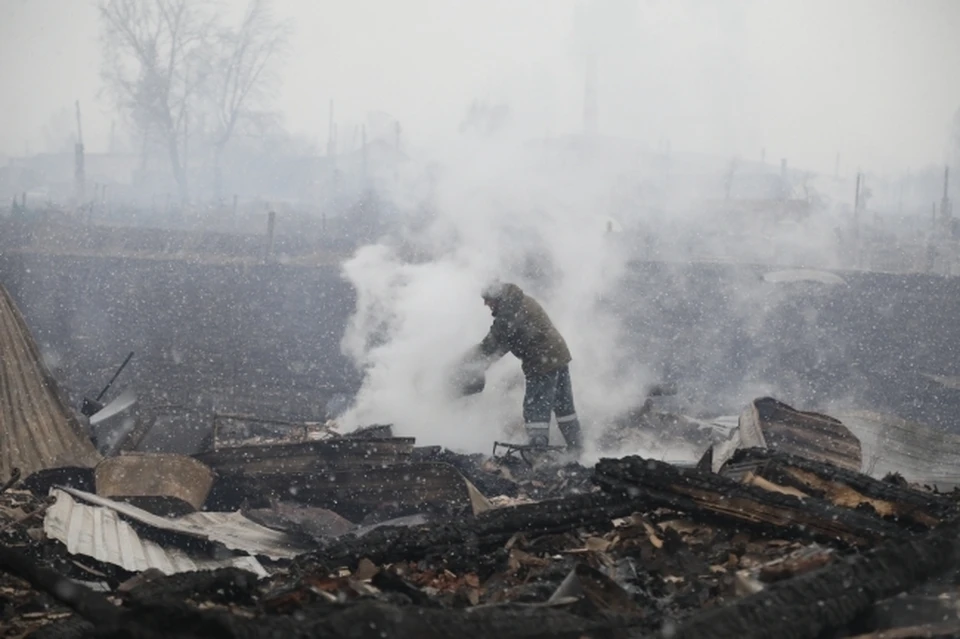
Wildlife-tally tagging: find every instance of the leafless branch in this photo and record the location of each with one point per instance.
(246, 58)
(167, 60)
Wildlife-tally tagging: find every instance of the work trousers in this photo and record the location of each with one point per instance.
(546, 394)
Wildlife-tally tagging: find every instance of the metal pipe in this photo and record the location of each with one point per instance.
(115, 375)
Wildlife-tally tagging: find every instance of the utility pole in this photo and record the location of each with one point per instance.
(783, 179)
(856, 213)
(331, 134)
(856, 220)
(185, 162)
(79, 172)
(946, 206)
(590, 96)
(271, 227)
(363, 154)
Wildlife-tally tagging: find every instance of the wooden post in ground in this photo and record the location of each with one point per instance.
(79, 172)
(271, 225)
(946, 207)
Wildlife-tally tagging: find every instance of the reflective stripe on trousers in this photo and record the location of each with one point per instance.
(546, 394)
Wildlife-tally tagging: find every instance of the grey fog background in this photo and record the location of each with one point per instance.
(872, 80)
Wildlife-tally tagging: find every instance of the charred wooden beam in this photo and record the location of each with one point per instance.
(930, 602)
(472, 536)
(846, 488)
(82, 600)
(366, 620)
(831, 598)
(340, 452)
(397, 489)
(164, 617)
(712, 497)
(813, 435)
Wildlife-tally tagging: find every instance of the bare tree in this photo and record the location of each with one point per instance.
(174, 68)
(154, 67)
(244, 74)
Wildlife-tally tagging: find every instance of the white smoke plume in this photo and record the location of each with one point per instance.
(521, 212)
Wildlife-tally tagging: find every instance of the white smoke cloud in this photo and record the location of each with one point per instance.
(526, 213)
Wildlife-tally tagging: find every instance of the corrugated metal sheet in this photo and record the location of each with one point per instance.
(233, 530)
(37, 430)
(100, 533)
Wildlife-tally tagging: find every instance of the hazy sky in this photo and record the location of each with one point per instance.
(872, 79)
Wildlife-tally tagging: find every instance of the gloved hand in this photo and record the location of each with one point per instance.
(472, 387)
(469, 375)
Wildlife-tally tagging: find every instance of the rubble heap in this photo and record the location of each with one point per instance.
(773, 545)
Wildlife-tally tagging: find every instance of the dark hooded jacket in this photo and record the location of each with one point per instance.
(522, 327)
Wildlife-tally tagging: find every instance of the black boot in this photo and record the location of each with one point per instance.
(538, 435)
(572, 435)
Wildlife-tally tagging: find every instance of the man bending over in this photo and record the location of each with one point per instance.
(522, 327)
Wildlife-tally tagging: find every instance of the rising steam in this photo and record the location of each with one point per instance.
(526, 213)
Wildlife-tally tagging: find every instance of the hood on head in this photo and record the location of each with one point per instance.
(502, 292)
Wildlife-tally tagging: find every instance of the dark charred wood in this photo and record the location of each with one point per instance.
(831, 598)
(488, 483)
(813, 435)
(472, 537)
(79, 598)
(369, 619)
(14, 478)
(930, 602)
(374, 431)
(390, 491)
(714, 498)
(390, 582)
(72, 628)
(40, 482)
(850, 489)
(226, 585)
(308, 456)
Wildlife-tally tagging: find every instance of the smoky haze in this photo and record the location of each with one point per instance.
(805, 80)
(552, 144)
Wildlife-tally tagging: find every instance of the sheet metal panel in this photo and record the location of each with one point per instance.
(101, 533)
(233, 530)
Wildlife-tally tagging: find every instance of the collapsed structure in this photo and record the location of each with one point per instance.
(784, 526)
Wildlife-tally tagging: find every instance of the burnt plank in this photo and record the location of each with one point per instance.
(711, 497)
(813, 435)
(354, 493)
(831, 598)
(472, 536)
(844, 487)
(338, 452)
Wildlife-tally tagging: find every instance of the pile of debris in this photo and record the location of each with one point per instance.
(774, 544)
(286, 529)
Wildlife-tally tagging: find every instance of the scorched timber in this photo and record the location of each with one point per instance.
(846, 488)
(165, 617)
(831, 598)
(472, 536)
(709, 496)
